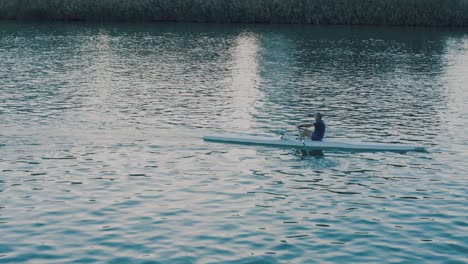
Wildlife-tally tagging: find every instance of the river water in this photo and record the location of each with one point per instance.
(101, 156)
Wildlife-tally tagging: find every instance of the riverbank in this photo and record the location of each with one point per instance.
(333, 12)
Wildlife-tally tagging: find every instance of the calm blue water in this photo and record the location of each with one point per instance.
(101, 156)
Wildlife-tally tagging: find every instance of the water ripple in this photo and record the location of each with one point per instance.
(102, 158)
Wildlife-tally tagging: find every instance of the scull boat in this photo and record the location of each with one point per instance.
(307, 144)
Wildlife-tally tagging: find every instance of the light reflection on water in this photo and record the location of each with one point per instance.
(102, 158)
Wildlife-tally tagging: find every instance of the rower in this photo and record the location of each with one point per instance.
(319, 129)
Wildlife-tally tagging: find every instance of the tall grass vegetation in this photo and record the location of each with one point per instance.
(351, 12)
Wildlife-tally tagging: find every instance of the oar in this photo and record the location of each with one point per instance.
(300, 136)
(299, 129)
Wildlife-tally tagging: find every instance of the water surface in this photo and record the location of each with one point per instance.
(101, 156)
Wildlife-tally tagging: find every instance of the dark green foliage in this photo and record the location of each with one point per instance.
(351, 12)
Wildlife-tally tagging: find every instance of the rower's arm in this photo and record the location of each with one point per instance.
(305, 125)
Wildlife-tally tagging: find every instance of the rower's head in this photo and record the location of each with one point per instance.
(318, 116)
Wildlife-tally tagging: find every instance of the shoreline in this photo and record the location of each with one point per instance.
(108, 22)
(410, 13)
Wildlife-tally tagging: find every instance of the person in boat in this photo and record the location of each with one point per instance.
(319, 128)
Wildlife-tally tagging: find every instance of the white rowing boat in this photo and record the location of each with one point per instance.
(325, 144)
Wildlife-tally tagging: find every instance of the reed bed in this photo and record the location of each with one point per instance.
(349, 12)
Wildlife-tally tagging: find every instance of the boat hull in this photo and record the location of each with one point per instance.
(326, 143)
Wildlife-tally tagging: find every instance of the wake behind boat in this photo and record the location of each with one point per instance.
(307, 144)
